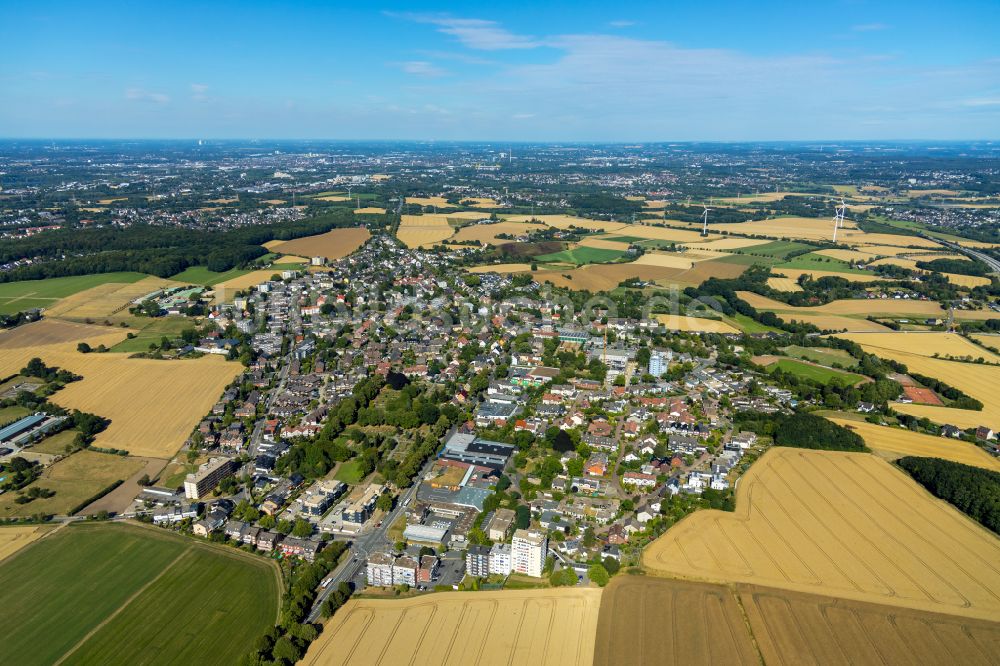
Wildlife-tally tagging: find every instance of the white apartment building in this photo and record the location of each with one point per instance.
(379, 569)
(528, 551)
(500, 559)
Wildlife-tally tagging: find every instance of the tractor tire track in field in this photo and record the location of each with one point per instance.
(124, 605)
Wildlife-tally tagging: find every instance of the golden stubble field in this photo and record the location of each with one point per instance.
(152, 404)
(604, 277)
(979, 381)
(487, 233)
(544, 627)
(924, 344)
(423, 230)
(646, 620)
(897, 442)
(14, 538)
(107, 301)
(695, 324)
(795, 629)
(852, 306)
(840, 524)
(333, 244)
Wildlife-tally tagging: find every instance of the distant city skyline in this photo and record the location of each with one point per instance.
(519, 71)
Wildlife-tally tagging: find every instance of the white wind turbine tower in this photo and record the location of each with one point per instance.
(704, 226)
(838, 219)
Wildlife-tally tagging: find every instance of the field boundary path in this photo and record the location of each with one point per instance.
(124, 605)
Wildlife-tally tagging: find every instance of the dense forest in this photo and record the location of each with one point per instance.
(972, 490)
(801, 430)
(959, 266)
(160, 251)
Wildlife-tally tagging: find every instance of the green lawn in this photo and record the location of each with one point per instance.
(8, 414)
(778, 249)
(822, 355)
(748, 325)
(581, 256)
(164, 598)
(27, 294)
(818, 262)
(153, 331)
(202, 276)
(349, 472)
(55, 444)
(815, 372)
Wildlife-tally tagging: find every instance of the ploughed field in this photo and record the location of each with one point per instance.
(840, 524)
(120, 594)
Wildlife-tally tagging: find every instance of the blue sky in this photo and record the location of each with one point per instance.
(559, 71)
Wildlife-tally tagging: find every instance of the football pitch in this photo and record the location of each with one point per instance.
(123, 594)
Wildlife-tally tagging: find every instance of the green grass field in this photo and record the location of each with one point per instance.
(153, 331)
(18, 296)
(8, 414)
(748, 325)
(818, 262)
(814, 372)
(822, 355)
(349, 472)
(119, 594)
(777, 249)
(626, 239)
(202, 276)
(581, 256)
(55, 444)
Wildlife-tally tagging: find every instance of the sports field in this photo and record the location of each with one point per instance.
(18, 296)
(120, 594)
(646, 620)
(842, 524)
(544, 627)
(900, 442)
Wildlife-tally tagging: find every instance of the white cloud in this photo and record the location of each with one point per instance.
(981, 102)
(478, 34)
(199, 88)
(422, 68)
(140, 95)
(621, 23)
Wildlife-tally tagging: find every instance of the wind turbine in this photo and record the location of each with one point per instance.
(704, 226)
(838, 218)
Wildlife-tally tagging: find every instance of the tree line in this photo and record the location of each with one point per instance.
(972, 490)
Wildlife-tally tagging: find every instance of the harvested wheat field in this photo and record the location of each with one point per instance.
(645, 620)
(969, 281)
(849, 306)
(274, 202)
(924, 344)
(826, 322)
(227, 289)
(842, 524)
(604, 277)
(369, 210)
(45, 332)
(290, 259)
(423, 230)
(107, 300)
(900, 442)
(487, 233)
(804, 228)
(14, 538)
(500, 268)
(728, 244)
(796, 273)
(481, 202)
(694, 324)
(440, 202)
(552, 626)
(651, 232)
(665, 259)
(978, 381)
(792, 628)
(600, 243)
(333, 197)
(909, 264)
(783, 284)
(567, 221)
(333, 244)
(892, 240)
(153, 405)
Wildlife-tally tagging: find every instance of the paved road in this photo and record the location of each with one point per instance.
(985, 258)
(367, 543)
